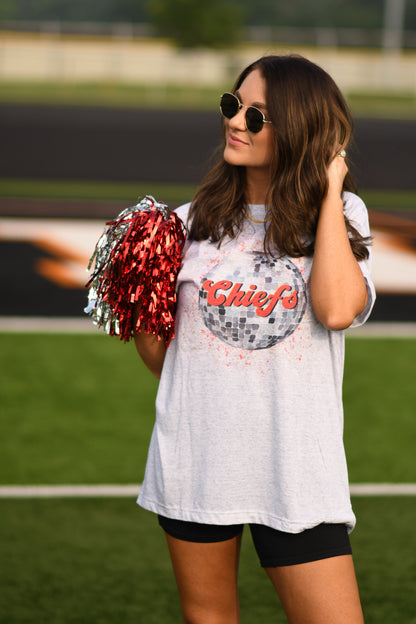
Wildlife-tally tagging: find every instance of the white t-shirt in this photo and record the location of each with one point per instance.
(249, 417)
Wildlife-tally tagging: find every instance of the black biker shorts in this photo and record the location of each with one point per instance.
(274, 548)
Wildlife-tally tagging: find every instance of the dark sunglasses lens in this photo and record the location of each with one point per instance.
(254, 119)
(229, 105)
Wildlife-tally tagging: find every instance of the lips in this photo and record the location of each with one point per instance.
(234, 140)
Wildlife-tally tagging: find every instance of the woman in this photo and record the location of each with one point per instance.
(249, 409)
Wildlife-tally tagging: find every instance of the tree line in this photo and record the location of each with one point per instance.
(215, 23)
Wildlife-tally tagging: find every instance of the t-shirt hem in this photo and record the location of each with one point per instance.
(247, 517)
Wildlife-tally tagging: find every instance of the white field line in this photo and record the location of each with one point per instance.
(81, 325)
(48, 325)
(127, 491)
(69, 491)
(383, 489)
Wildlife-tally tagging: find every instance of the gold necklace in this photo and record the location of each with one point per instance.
(254, 220)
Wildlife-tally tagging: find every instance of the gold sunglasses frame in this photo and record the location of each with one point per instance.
(240, 106)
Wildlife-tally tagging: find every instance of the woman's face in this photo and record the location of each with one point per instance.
(244, 148)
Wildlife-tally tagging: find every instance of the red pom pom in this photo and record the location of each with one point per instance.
(137, 259)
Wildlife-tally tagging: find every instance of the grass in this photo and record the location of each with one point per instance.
(389, 105)
(112, 95)
(389, 200)
(80, 190)
(80, 409)
(175, 193)
(379, 400)
(104, 561)
(83, 561)
(121, 95)
(384, 544)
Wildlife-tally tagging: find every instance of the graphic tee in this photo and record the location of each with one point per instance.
(249, 417)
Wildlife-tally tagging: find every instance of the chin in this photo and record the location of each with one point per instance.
(232, 158)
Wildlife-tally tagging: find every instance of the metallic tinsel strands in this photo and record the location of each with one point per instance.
(136, 262)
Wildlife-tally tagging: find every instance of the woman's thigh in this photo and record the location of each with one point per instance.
(319, 592)
(206, 576)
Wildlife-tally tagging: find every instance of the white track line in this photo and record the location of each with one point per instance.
(127, 491)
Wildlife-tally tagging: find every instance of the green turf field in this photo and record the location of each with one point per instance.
(105, 561)
(170, 193)
(79, 409)
(83, 190)
(164, 96)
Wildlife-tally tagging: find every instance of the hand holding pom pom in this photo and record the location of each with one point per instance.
(137, 259)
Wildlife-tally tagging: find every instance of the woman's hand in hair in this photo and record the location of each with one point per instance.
(336, 172)
(338, 289)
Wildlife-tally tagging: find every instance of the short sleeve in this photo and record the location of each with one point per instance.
(356, 211)
(183, 211)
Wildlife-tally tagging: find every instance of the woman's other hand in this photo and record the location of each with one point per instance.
(152, 350)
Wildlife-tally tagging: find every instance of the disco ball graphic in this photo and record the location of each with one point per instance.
(254, 305)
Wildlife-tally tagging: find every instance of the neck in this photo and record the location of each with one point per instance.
(257, 184)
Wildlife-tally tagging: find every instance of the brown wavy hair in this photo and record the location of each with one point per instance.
(310, 120)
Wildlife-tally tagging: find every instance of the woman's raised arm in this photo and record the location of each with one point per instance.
(338, 289)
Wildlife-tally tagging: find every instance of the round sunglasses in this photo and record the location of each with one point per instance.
(230, 105)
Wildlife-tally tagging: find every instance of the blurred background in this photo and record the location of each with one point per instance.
(102, 103)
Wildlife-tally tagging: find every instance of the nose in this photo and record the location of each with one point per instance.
(239, 120)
